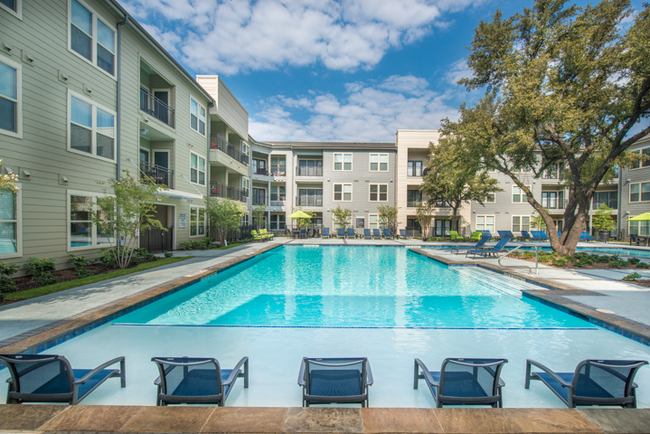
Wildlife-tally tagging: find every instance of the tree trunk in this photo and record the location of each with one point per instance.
(567, 243)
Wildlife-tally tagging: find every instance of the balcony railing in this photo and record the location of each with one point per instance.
(157, 174)
(218, 142)
(261, 171)
(227, 192)
(279, 170)
(555, 204)
(156, 108)
(310, 200)
(611, 203)
(309, 171)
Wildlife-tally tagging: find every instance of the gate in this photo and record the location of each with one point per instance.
(157, 240)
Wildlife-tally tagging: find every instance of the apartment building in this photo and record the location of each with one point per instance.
(85, 94)
(634, 193)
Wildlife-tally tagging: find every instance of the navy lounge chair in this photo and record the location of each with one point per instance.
(490, 252)
(487, 233)
(584, 236)
(402, 233)
(326, 233)
(506, 234)
(525, 235)
(594, 382)
(329, 381)
(50, 378)
(463, 381)
(376, 234)
(350, 233)
(539, 235)
(340, 233)
(196, 380)
(484, 239)
(634, 239)
(387, 234)
(366, 234)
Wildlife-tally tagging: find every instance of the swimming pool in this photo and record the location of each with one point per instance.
(275, 350)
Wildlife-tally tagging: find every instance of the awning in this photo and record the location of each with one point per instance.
(180, 195)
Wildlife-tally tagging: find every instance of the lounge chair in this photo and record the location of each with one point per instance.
(350, 233)
(634, 239)
(584, 236)
(303, 233)
(340, 233)
(267, 234)
(487, 233)
(387, 234)
(453, 235)
(257, 236)
(50, 378)
(366, 234)
(376, 234)
(490, 252)
(506, 234)
(476, 236)
(196, 380)
(402, 233)
(463, 381)
(526, 236)
(326, 233)
(329, 381)
(594, 382)
(478, 245)
(539, 235)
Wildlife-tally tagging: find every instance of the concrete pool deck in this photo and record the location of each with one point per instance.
(26, 325)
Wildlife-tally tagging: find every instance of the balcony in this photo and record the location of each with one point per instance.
(261, 171)
(220, 143)
(156, 108)
(278, 171)
(310, 170)
(157, 174)
(551, 204)
(227, 192)
(309, 200)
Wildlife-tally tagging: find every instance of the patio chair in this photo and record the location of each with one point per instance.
(267, 234)
(196, 380)
(476, 236)
(387, 234)
(490, 252)
(340, 233)
(350, 233)
(585, 236)
(257, 236)
(634, 239)
(403, 234)
(303, 233)
(335, 381)
(594, 382)
(506, 234)
(326, 233)
(487, 233)
(478, 245)
(539, 235)
(526, 236)
(376, 234)
(453, 235)
(50, 378)
(463, 381)
(366, 234)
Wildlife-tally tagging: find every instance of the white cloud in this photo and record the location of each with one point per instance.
(458, 70)
(227, 37)
(368, 112)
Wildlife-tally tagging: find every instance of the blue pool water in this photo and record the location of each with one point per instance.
(360, 286)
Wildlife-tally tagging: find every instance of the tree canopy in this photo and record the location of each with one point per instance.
(563, 85)
(225, 216)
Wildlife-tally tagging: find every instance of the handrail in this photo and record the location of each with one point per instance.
(517, 248)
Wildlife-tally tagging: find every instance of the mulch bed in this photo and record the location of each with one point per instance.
(645, 282)
(27, 282)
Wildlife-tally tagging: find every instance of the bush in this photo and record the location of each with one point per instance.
(632, 276)
(619, 263)
(7, 284)
(42, 270)
(169, 254)
(80, 264)
(203, 244)
(561, 262)
(107, 258)
(141, 255)
(634, 261)
(644, 265)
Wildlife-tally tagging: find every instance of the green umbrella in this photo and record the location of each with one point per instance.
(299, 215)
(640, 218)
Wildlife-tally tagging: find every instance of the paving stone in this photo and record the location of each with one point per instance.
(27, 417)
(168, 420)
(476, 420)
(400, 420)
(323, 420)
(619, 420)
(245, 420)
(91, 418)
(551, 420)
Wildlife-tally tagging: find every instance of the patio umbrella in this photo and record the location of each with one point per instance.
(640, 218)
(299, 215)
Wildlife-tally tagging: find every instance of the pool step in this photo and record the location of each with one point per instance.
(495, 281)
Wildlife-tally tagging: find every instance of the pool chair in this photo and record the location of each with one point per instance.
(526, 236)
(487, 233)
(257, 236)
(335, 381)
(594, 382)
(490, 252)
(480, 244)
(376, 234)
(506, 234)
(403, 234)
(539, 235)
(453, 235)
(326, 233)
(340, 233)
(585, 236)
(366, 234)
(350, 233)
(196, 380)
(266, 234)
(463, 381)
(476, 236)
(50, 378)
(634, 239)
(387, 234)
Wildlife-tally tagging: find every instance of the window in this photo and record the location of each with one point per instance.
(378, 192)
(609, 198)
(14, 7)
(278, 193)
(278, 222)
(91, 38)
(83, 234)
(373, 221)
(10, 98)
(197, 169)
(259, 196)
(91, 129)
(646, 163)
(10, 224)
(520, 223)
(414, 168)
(379, 162)
(413, 197)
(343, 162)
(245, 186)
(197, 117)
(310, 167)
(518, 195)
(640, 192)
(278, 165)
(259, 167)
(197, 221)
(310, 197)
(491, 198)
(553, 199)
(640, 228)
(485, 223)
(343, 192)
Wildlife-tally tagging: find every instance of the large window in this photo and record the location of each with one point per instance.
(310, 197)
(518, 195)
(343, 192)
(640, 192)
(91, 129)
(197, 169)
(259, 196)
(197, 117)
(259, 167)
(10, 224)
(14, 7)
(278, 193)
(553, 199)
(373, 221)
(640, 228)
(414, 168)
(646, 163)
(10, 98)
(413, 197)
(197, 221)
(278, 222)
(91, 38)
(485, 223)
(310, 167)
(379, 162)
(83, 234)
(378, 193)
(608, 198)
(278, 165)
(343, 162)
(520, 223)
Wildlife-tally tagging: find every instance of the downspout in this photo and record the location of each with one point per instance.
(118, 124)
(619, 202)
(207, 132)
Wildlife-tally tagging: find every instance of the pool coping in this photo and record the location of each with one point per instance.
(553, 297)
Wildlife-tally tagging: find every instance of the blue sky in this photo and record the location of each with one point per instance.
(328, 70)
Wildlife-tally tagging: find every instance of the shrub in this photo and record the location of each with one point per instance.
(632, 276)
(42, 270)
(169, 254)
(7, 284)
(529, 255)
(618, 264)
(108, 258)
(80, 264)
(561, 262)
(643, 265)
(141, 255)
(203, 244)
(634, 261)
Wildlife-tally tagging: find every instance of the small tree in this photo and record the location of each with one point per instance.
(123, 214)
(388, 217)
(304, 222)
(424, 212)
(602, 219)
(259, 212)
(537, 221)
(342, 217)
(224, 215)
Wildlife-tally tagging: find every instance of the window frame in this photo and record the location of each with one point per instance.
(378, 163)
(198, 119)
(198, 171)
(640, 192)
(277, 193)
(343, 162)
(491, 197)
(378, 193)
(642, 164)
(371, 223)
(94, 38)
(205, 221)
(94, 132)
(343, 192)
(521, 195)
(93, 233)
(18, 221)
(412, 166)
(485, 224)
(521, 223)
(18, 13)
(19, 98)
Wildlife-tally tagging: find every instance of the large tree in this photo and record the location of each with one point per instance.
(564, 85)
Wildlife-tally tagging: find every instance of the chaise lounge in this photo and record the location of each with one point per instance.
(335, 381)
(490, 252)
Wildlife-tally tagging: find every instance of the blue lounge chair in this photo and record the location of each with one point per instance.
(376, 234)
(594, 382)
(525, 235)
(350, 233)
(634, 239)
(366, 234)
(490, 252)
(584, 236)
(330, 381)
(340, 233)
(326, 233)
(402, 233)
(559, 234)
(539, 235)
(50, 378)
(506, 234)
(487, 233)
(196, 380)
(303, 233)
(463, 381)
(387, 234)
(484, 239)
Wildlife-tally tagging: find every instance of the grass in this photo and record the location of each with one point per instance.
(229, 246)
(62, 286)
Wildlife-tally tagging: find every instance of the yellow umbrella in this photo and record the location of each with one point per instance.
(640, 218)
(299, 215)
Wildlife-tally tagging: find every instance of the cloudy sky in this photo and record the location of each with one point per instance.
(328, 70)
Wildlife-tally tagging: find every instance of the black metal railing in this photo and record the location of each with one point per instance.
(279, 170)
(157, 174)
(220, 143)
(310, 200)
(309, 171)
(227, 192)
(156, 108)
